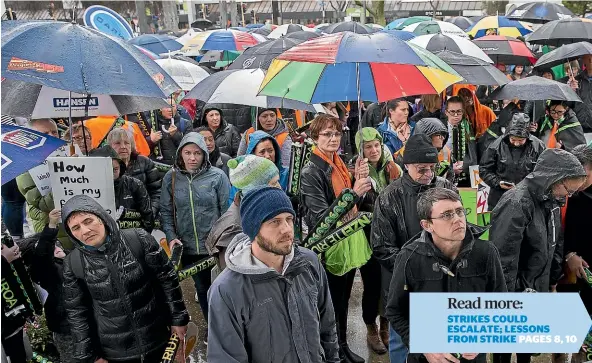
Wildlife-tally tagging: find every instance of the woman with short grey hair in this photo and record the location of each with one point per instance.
(137, 166)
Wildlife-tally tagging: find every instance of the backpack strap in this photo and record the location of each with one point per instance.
(132, 240)
(76, 262)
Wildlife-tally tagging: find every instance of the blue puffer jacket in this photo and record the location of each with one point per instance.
(390, 136)
(254, 139)
(199, 200)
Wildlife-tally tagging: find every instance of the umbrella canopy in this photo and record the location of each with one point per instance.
(186, 74)
(183, 39)
(157, 43)
(255, 26)
(499, 25)
(506, 50)
(24, 149)
(540, 12)
(348, 26)
(563, 54)
(535, 88)
(88, 61)
(435, 27)
(288, 28)
(240, 86)
(150, 54)
(261, 31)
(400, 34)
(260, 38)
(301, 35)
(36, 101)
(185, 59)
(461, 22)
(399, 24)
(221, 40)
(564, 31)
(438, 42)
(352, 63)
(474, 70)
(375, 27)
(321, 27)
(212, 57)
(261, 55)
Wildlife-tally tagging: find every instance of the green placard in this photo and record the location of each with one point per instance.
(469, 200)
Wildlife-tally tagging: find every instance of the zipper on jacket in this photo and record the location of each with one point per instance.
(193, 214)
(554, 245)
(119, 289)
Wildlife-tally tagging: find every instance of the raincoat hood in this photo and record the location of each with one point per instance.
(197, 139)
(553, 166)
(519, 126)
(205, 112)
(84, 203)
(258, 136)
(431, 126)
(367, 134)
(108, 152)
(239, 257)
(280, 127)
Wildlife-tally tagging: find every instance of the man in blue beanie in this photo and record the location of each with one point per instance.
(272, 302)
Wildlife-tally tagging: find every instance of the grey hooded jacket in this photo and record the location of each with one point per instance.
(259, 316)
(526, 224)
(199, 200)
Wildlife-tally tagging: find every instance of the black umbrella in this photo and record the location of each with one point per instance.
(202, 24)
(540, 12)
(506, 50)
(348, 26)
(472, 69)
(564, 54)
(261, 55)
(261, 31)
(535, 88)
(302, 35)
(462, 22)
(560, 32)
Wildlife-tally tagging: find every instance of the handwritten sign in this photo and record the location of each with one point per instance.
(482, 195)
(72, 176)
(40, 173)
(475, 179)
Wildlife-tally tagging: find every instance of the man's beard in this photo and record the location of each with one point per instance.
(274, 247)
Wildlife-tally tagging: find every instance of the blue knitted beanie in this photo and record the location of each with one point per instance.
(260, 205)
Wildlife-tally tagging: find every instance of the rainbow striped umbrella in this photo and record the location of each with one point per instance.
(220, 40)
(348, 66)
(499, 25)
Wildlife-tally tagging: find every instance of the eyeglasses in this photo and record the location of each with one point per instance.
(330, 134)
(449, 214)
(80, 138)
(558, 113)
(425, 170)
(570, 193)
(455, 112)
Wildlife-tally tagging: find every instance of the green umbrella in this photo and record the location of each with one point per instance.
(412, 20)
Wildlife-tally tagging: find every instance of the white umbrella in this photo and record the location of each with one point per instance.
(240, 86)
(183, 39)
(260, 38)
(436, 26)
(185, 74)
(288, 28)
(440, 42)
(36, 101)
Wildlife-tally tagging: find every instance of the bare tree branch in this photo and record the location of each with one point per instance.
(369, 10)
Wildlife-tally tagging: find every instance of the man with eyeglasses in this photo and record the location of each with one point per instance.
(461, 141)
(446, 257)
(560, 127)
(395, 219)
(526, 226)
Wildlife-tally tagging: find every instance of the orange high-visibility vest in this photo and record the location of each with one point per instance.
(279, 138)
(100, 126)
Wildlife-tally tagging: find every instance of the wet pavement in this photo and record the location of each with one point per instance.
(356, 328)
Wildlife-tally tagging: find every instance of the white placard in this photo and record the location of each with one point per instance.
(482, 195)
(72, 176)
(475, 179)
(40, 173)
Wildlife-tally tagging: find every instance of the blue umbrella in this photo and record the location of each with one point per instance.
(400, 34)
(254, 26)
(79, 59)
(157, 43)
(24, 149)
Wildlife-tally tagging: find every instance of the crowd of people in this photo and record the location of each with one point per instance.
(218, 186)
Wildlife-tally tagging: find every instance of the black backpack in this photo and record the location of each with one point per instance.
(131, 239)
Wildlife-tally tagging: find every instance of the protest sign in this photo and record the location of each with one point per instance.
(474, 173)
(40, 173)
(469, 201)
(482, 195)
(72, 176)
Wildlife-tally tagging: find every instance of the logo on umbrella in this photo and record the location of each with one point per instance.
(23, 139)
(5, 161)
(248, 62)
(17, 64)
(158, 78)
